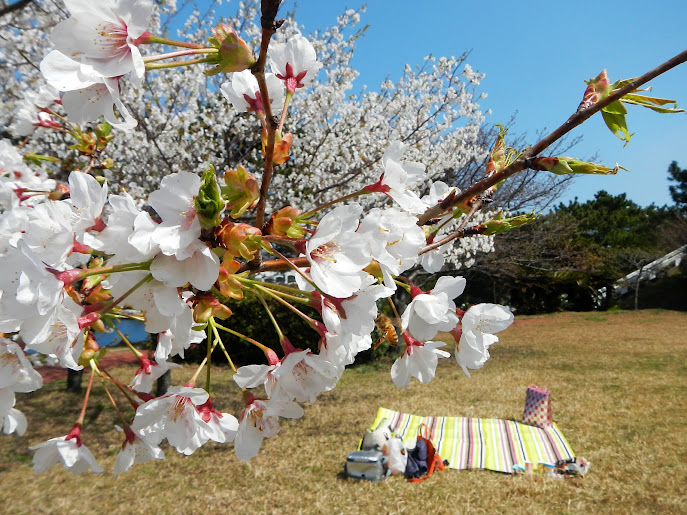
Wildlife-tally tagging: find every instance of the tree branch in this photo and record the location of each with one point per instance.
(269, 27)
(523, 161)
(16, 6)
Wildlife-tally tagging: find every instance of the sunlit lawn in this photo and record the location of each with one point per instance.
(619, 386)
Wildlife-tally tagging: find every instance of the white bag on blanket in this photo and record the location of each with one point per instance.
(397, 456)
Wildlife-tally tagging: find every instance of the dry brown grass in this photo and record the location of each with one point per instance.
(619, 384)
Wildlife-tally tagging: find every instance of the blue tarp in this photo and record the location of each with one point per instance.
(134, 330)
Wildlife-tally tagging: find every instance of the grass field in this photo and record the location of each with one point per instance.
(619, 389)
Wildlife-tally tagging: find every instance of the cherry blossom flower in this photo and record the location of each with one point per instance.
(252, 376)
(104, 34)
(260, 420)
(159, 302)
(49, 236)
(128, 234)
(148, 372)
(174, 201)
(69, 450)
(179, 417)
(337, 253)
(135, 449)
(28, 118)
(395, 240)
(57, 333)
(222, 426)
(29, 114)
(16, 372)
(433, 261)
(341, 349)
(31, 294)
(15, 175)
(88, 95)
(178, 337)
(11, 420)
(418, 360)
(200, 267)
(16, 375)
(438, 191)
(356, 314)
(429, 313)
(476, 335)
(303, 375)
(244, 93)
(87, 199)
(401, 178)
(294, 62)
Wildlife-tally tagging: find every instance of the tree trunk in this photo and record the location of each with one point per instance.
(163, 383)
(74, 380)
(639, 279)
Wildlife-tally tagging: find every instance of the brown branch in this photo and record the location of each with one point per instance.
(280, 264)
(523, 162)
(269, 10)
(460, 231)
(16, 6)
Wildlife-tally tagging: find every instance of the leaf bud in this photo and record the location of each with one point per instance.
(566, 165)
(228, 284)
(282, 146)
(234, 54)
(241, 191)
(240, 239)
(208, 202)
(284, 223)
(207, 306)
(499, 224)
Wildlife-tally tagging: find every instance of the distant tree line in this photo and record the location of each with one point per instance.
(565, 257)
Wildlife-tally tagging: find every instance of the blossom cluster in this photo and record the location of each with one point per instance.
(81, 257)
(435, 111)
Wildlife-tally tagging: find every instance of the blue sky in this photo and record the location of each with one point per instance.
(536, 55)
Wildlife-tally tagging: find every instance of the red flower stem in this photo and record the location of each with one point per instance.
(125, 389)
(261, 115)
(26, 140)
(115, 302)
(85, 400)
(112, 401)
(393, 307)
(335, 201)
(295, 268)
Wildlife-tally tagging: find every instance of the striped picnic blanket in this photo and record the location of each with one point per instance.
(481, 443)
